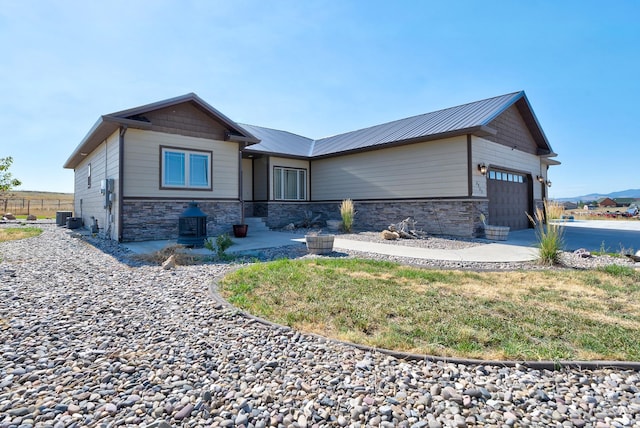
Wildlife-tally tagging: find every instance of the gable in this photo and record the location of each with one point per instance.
(513, 132)
(185, 119)
(186, 115)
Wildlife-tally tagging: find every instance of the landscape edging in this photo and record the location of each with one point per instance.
(535, 365)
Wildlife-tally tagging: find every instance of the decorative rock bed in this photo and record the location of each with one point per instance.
(89, 337)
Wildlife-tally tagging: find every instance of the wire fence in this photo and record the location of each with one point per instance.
(24, 206)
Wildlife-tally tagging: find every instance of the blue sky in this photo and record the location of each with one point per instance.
(319, 68)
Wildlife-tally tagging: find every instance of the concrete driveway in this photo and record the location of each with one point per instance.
(611, 235)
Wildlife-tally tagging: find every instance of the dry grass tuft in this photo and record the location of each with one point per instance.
(549, 235)
(181, 256)
(15, 233)
(554, 210)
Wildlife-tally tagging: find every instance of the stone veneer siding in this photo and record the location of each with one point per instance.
(148, 220)
(455, 217)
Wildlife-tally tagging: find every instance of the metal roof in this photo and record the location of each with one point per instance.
(274, 141)
(471, 118)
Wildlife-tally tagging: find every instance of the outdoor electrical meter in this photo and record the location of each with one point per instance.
(106, 189)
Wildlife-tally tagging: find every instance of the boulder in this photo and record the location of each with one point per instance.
(389, 235)
(9, 216)
(581, 252)
(31, 217)
(170, 263)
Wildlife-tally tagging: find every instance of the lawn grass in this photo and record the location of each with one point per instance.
(14, 233)
(522, 315)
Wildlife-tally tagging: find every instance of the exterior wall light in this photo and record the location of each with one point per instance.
(548, 183)
(482, 168)
(540, 178)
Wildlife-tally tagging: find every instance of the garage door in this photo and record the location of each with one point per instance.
(509, 199)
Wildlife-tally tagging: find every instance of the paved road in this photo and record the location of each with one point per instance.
(593, 235)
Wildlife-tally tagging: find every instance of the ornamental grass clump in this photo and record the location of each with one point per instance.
(549, 235)
(347, 213)
(554, 210)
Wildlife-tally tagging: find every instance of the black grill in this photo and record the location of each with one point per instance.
(192, 226)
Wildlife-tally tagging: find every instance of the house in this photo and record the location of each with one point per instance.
(607, 203)
(136, 170)
(625, 202)
(569, 205)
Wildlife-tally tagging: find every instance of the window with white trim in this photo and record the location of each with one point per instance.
(187, 169)
(289, 184)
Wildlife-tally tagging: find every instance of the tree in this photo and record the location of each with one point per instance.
(7, 182)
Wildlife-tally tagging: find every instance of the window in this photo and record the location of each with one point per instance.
(185, 169)
(289, 184)
(505, 176)
(89, 176)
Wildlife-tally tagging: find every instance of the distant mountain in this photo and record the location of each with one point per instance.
(631, 193)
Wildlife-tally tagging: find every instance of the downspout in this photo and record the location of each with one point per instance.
(309, 195)
(123, 130)
(240, 189)
(469, 167)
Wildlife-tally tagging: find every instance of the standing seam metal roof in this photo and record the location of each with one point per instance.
(279, 142)
(447, 121)
(452, 119)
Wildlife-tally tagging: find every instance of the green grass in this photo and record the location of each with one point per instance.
(14, 233)
(536, 315)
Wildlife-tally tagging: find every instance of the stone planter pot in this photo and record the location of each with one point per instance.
(319, 244)
(496, 233)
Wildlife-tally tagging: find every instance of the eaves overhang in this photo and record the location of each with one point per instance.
(276, 154)
(241, 138)
(548, 161)
(101, 130)
(480, 131)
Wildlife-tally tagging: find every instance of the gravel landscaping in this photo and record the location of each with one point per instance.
(569, 260)
(90, 337)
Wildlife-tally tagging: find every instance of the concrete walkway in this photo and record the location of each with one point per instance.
(493, 252)
(490, 252)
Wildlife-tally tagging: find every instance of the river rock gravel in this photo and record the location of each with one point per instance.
(90, 337)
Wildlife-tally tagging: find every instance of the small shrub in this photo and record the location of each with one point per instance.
(549, 235)
(308, 220)
(222, 244)
(347, 213)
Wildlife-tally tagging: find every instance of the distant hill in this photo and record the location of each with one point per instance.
(630, 193)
